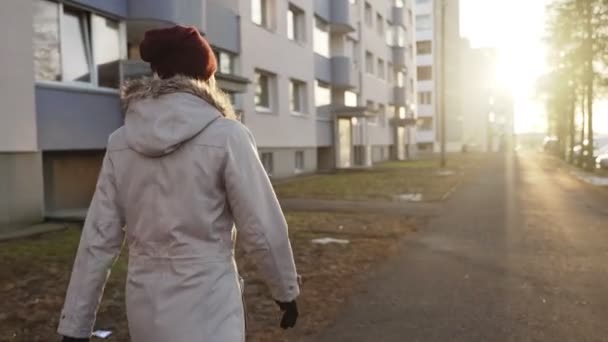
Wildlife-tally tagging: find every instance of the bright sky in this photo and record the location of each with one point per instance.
(516, 28)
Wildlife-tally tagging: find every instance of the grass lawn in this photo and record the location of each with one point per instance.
(34, 274)
(385, 181)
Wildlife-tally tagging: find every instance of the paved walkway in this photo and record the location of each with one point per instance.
(518, 254)
(416, 209)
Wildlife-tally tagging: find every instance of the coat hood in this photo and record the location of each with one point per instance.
(161, 114)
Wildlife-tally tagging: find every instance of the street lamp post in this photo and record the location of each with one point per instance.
(443, 87)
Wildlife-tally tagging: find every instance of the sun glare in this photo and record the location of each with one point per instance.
(517, 35)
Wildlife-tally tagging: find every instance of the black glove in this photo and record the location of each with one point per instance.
(73, 339)
(290, 314)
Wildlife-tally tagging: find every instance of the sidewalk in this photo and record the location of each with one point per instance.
(11, 233)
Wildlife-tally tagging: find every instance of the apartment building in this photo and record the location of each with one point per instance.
(428, 114)
(322, 84)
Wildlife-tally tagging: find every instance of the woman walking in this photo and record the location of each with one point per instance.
(175, 180)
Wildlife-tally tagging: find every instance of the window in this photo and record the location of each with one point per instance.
(297, 96)
(369, 62)
(72, 45)
(369, 19)
(47, 51)
(299, 161)
(379, 24)
(391, 110)
(390, 72)
(390, 36)
(423, 22)
(321, 38)
(399, 3)
(371, 107)
(295, 24)
(264, 90)
(400, 78)
(424, 47)
(105, 35)
(322, 94)
(267, 162)
(425, 124)
(76, 60)
(396, 36)
(422, 2)
(225, 61)
(380, 68)
(350, 99)
(259, 12)
(352, 49)
(425, 73)
(424, 97)
(382, 114)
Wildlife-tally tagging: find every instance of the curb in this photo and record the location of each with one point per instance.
(30, 231)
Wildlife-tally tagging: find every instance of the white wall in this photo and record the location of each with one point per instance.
(272, 51)
(17, 111)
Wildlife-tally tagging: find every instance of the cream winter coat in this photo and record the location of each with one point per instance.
(175, 179)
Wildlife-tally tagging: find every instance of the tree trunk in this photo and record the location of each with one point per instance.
(571, 125)
(589, 162)
(579, 158)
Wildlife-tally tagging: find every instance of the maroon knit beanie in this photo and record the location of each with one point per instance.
(178, 50)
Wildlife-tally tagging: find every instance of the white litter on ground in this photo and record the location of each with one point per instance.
(445, 173)
(328, 240)
(409, 197)
(102, 333)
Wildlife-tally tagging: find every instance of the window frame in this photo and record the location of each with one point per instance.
(264, 14)
(298, 87)
(426, 44)
(299, 23)
(299, 161)
(267, 160)
(380, 69)
(270, 83)
(369, 67)
(321, 26)
(379, 23)
(85, 16)
(368, 14)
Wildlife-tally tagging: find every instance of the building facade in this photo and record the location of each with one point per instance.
(322, 84)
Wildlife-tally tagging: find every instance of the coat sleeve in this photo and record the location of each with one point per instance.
(259, 220)
(100, 244)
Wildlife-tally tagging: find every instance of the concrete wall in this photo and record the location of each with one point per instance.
(76, 118)
(17, 112)
(185, 12)
(223, 26)
(70, 178)
(272, 51)
(21, 189)
(285, 159)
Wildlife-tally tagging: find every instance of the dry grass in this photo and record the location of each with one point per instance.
(385, 181)
(34, 274)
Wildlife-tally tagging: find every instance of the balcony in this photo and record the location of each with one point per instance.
(153, 12)
(424, 60)
(400, 97)
(344, 73)
(340, 18)
(399, 16)
(425, 111)
(399, 57)
(425, 136)
(135, 68)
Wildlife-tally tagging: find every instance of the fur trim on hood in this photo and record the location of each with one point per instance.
(154, 87)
